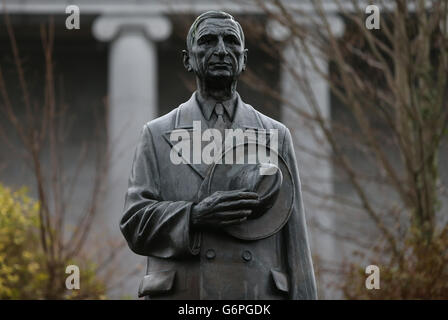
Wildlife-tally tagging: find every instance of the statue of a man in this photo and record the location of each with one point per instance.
(190, 256)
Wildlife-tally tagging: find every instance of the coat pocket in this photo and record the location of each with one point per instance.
(157, 282)
(280, 280)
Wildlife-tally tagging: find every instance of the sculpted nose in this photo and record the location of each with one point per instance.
(221, 49)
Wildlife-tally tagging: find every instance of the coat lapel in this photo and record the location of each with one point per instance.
(245, 118)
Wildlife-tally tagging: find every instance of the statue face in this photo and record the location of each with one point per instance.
(217, 50)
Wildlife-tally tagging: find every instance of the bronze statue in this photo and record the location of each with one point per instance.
(217, 231)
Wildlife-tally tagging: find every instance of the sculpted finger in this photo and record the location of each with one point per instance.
(238, 195)
(233, 214)
(237, 204)
(233, 222)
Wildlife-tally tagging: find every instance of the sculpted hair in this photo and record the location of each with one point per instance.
(210, 15)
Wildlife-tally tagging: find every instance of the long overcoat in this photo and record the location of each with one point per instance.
(210, 264)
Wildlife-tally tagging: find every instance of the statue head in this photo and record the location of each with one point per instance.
(215, 49)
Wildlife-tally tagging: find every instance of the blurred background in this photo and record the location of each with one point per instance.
(363, 90)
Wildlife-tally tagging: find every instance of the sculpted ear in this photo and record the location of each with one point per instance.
(186, 60)
(244, 59)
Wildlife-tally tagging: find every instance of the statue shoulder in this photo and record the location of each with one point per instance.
(163, 123)
(268, 122)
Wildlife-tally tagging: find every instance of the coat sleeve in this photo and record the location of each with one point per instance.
(299, 262)
(152, 226)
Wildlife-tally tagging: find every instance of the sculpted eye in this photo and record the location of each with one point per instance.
(232, 39)
(205, 40)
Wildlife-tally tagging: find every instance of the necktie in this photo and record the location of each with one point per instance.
(220, 123)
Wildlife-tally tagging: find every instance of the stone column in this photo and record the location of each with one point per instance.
(312, 153)
(132, 86)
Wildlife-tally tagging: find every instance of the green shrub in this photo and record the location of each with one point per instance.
(23, 264)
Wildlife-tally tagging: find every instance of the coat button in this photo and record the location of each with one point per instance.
(210, 254)
(247, 256)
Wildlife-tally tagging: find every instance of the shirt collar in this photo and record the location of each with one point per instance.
(207, 106)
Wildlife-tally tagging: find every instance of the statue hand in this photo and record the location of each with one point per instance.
(224, 208)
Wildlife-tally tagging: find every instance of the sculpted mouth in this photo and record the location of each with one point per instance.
(220, 65)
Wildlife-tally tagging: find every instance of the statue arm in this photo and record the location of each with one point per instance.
(151, 226)
(299, 261)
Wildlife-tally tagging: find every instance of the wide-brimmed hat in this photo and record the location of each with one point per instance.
(272, 181)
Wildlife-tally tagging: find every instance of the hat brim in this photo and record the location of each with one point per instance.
(274, 218)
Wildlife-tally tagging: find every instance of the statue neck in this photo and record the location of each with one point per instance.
(216, 90)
